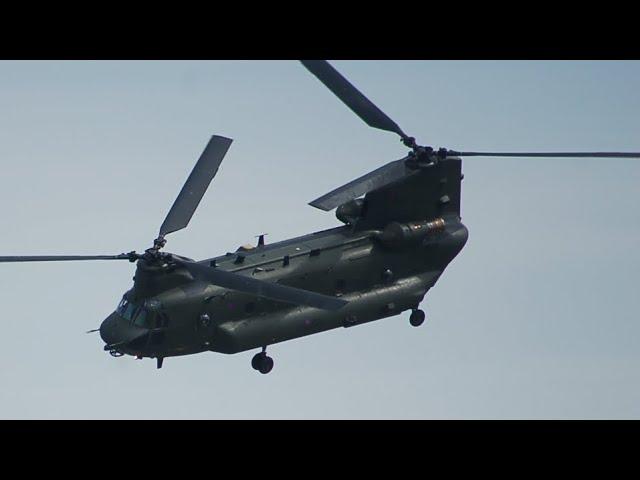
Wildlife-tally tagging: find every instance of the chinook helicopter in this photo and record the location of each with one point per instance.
(401, 228)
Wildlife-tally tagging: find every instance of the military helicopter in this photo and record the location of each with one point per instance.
(401, 228)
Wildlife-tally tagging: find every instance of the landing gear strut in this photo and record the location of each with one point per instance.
(262, 362)
(417, 317)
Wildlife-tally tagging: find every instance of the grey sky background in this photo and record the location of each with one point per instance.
(536, 318)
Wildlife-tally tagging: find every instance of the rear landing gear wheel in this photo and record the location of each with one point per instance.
(417, 317)
(262, 362)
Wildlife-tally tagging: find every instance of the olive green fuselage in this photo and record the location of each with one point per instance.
(379, 277)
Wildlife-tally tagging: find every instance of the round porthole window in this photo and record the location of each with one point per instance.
(205, 320)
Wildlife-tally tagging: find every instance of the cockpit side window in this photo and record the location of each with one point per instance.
(140, 317)
(122, 306)
(131, 311)
(143, 315)
(128, 311)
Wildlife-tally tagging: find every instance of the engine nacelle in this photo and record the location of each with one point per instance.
(350, 211)
(401, 235)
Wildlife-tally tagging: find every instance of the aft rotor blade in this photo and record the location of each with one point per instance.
(196, 185)
(380, 177)
(453, 153)
(352, 97)
(261, 288)
(63, 258)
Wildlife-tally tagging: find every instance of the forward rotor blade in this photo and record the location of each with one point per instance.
(196, 185)
(380, 177)
(547, 154)
(62, 258)
(260, 288)
(352, 97)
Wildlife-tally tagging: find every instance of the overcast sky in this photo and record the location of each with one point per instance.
(536, 318)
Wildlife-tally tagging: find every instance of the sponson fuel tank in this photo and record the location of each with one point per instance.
(364, 306)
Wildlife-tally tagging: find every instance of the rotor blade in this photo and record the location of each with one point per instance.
(547, 154)
(61, 258)
(380, 177)
(260, 288)
(352, 97)
(196, 185)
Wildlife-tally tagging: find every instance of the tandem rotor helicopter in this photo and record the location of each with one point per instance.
(401, 229)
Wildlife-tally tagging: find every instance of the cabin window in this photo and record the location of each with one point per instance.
(340, 286)
(250, 307)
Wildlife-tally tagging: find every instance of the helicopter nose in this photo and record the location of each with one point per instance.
(108, 329)
(114, 330)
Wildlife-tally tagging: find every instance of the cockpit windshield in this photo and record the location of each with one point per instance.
(139, 314)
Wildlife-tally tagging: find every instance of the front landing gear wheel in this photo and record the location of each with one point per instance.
(262, 362)
(417, 317)
(255, 361)
(266, 365)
